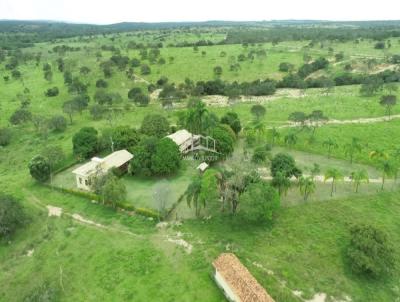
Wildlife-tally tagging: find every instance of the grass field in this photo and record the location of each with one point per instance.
(127, 258)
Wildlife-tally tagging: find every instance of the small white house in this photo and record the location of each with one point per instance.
(236, 281)
(202, 167)
(96, 166)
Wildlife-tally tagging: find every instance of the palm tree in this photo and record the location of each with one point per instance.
(330, 144)
(357, 177)
(335, 175)
(350, 149)
(274, 135)
(281, 182)
(388, 168)
(192, 195)
(290, 139)
(195, 117)
(307, 186)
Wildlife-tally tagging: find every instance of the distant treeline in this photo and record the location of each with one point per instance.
(18, 34)
(316, 33)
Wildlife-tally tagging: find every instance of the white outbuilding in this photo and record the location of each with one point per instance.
(97, 166)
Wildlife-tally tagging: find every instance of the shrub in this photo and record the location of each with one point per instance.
(58, 123)
(101, 83)
(369, 251)
(39, 168)
(12, 215)
(52, 92)
(20, 116)
(5, 136)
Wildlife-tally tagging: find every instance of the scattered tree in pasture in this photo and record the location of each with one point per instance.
(217, 71)
(286, 67)
(145, 69)
(54, 155)
(41, 124)
(306, 186)
(69, 108)
(84, 70)
(20, 116)
(298, 117)
(259, 203)
(380, 45)
(389, 168)
(39, 168)
(335, 175)
(371, 86)
(260, 155)
(350, 149)
(391, 88)
(330, 144)
(51, 92)
(12, 215)
(388, 101)
(258, 111)
(85, 143)
(155, 125)
(192, 194)
(370, 252)
(101, 83)
(359, 176)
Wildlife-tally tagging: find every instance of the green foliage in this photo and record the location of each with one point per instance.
(113, 190)
(260, 155)
(224, 140)
(5, 136)
(39, 168)
(166, 159)
(58, 123)
(121, 137)
(43, 293)
(12, 215)
(143, 153)
(155, 125)
(259, 203)
(232, 120)
(20, 116)
(370, 252)
(258, 111)
(85, 142)
(54, 155)
(285, 164)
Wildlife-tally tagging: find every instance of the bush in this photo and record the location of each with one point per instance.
(369, 251)
(101, 83)
(85, 142)
(260, 155)
(5, 136)
(39, 168)
(20, 116)
(167, 158)
(52, 92)
(12, 215)
(58, 123)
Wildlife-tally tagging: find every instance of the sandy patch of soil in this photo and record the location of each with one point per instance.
(84, 220)
(186, 245)
(54, 211)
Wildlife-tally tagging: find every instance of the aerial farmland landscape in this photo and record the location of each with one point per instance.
(151, 158)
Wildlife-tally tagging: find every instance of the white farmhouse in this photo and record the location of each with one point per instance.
(236, 281)
(85, 173)
(188, 142)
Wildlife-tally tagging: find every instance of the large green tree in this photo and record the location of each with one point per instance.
(85, 142)
(39, 168)
(166, 159)
(155, 125)
(12, 215)
(259, 203)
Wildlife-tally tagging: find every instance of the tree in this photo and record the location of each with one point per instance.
(113, 191)
(258, 111)
(12, 215)
(167, 157)
(51, 92)
(281, 182)
(350, 149)
(369, 251)
(290, 139)
(371, 86)
(142, 161)
(155, 125)
(101, 83)
(259, 203)
(58, 123)
(388, 168)
(388, 101)
(69, 108)
(259, 155)
(232, 119)
(335, 175)
(121, 137)
(209, 188)
(306, 186)
(330, 144)
(85, 142)
(192, 194)
(298, 117)
(145, 69)
(357, 177)
(225, 139)
(39, 168)
(20, 116)
(217, 71)
(275, 135)
(54, 155)
(284, 163)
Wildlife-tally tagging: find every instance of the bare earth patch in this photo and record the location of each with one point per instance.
(54, 211)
